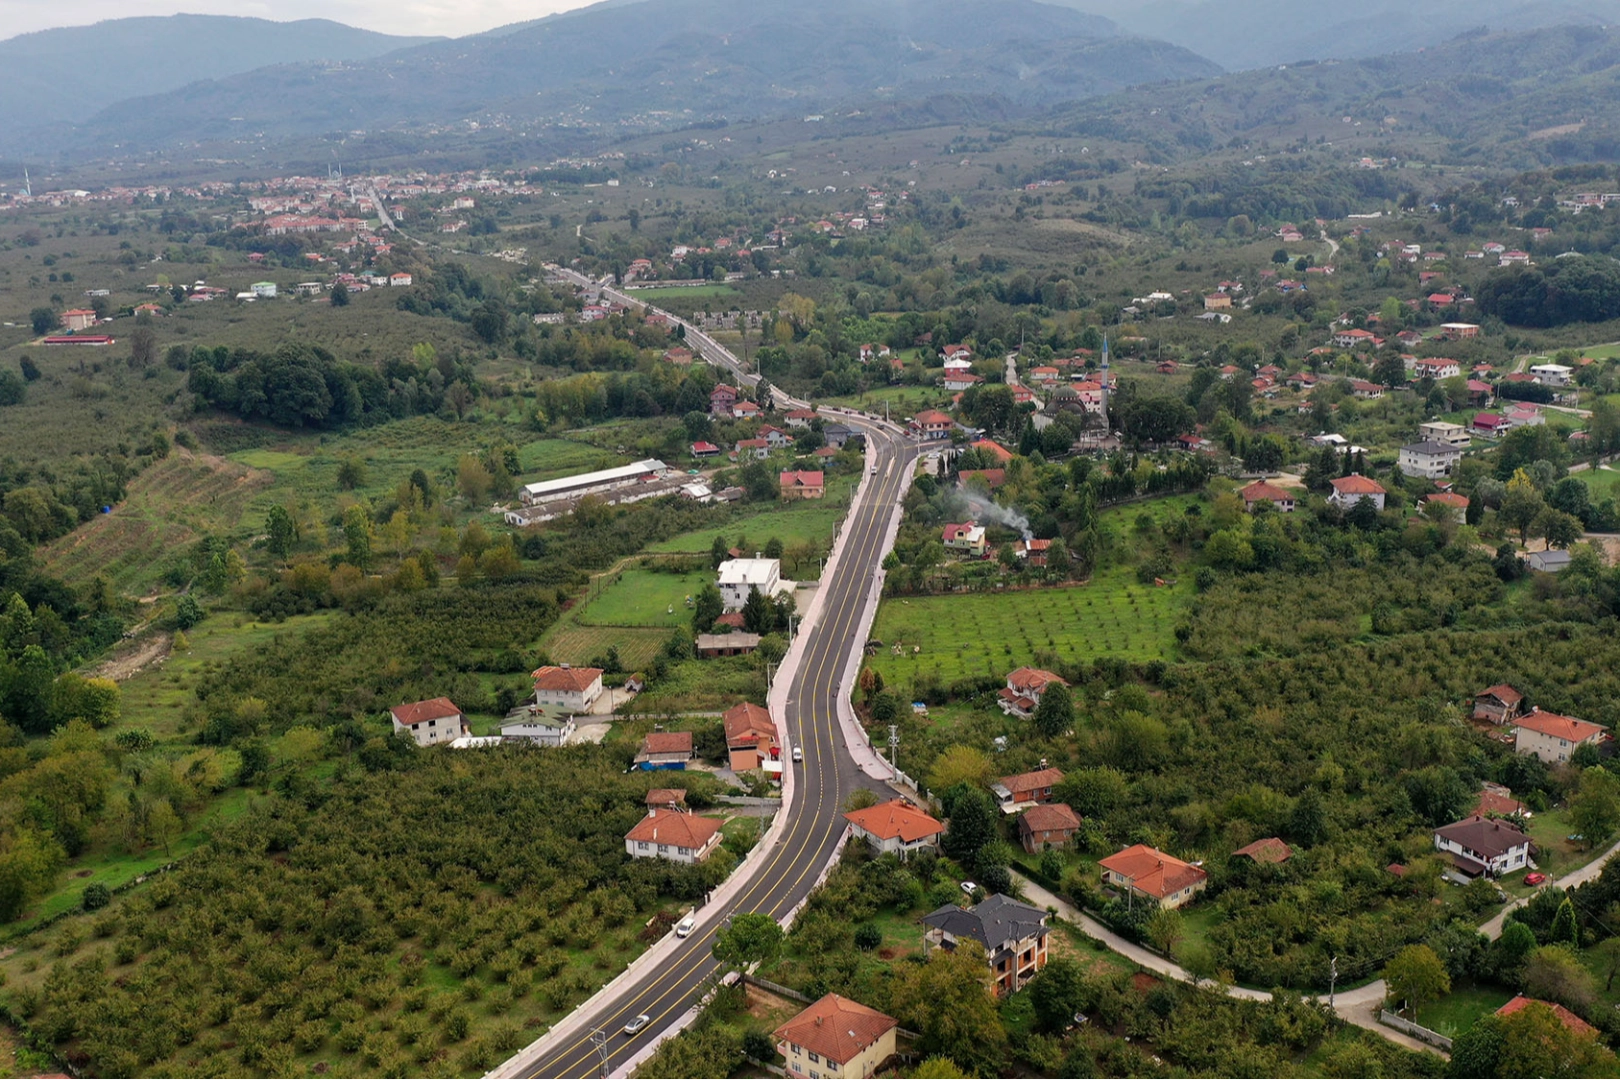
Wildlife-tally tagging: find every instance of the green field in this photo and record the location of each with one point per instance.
(1603, 482)
(792, 523)
(1456, 1012)
(695, 291)
(642, 598)
(992, 633)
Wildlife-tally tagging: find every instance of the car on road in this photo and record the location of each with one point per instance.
(634, 1027)
(685, 927)
(798, 754)
(969, 888)
(1535, 879)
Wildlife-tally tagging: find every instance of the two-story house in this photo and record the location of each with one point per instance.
(673, 835)
(1498, 704)
(1349, 490)
(895, 828)
(836, 1037)
(722, 400)
(931, 425)
(966, 538)
(1429, 460)
(1047, 825)
(429, 722)
(751, 738)
(1553, 738)
(1013, 793)
(566, 688)
(1023, 691)
(1012, 933)
(1480, 845)
(1259, 492)
(738, 577)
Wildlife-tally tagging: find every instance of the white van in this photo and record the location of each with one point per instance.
(685, 927)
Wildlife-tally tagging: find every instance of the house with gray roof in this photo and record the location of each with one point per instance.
(1012, 933)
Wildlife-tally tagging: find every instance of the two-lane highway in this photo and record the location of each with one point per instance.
(814, 824)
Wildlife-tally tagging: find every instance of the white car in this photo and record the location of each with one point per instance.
(685, 927)
(634, 1027)
(969, 888)
(798, 753)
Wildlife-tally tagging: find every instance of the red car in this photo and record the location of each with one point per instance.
(1534, 879)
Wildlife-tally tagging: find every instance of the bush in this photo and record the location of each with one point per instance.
(96, 896)
(868, 937)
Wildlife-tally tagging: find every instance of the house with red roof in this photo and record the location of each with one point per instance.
(1355, 339)
(1455, 503)
(799, 418)
(1152, 875)
(721, 400)
(1032, 551)
(1270, 850)
(966, 537)
(1047, 825)
(1024, 688)
(837, 1037)
(759, 449)
(1261, 492)
(1498, 704)
(803, 484)
(993, 478)
(957, 381)
(994, 449)
(1490, 424)
(437, 720)
(1366, 391)
(895, 828)
(1498, 801)
(567, 688)
(1574, 1023)
(664, 750)
(705, 450)
(1553, 738)
(931, 425)
(1349, 490)
(745, 410)
(78, 319)
(1021, 790)
(751, 738)
(674, 835)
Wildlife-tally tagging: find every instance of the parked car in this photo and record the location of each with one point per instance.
(969, 888)
(798, 753)
(1534, 879)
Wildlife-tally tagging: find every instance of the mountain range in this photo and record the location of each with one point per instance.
(68, 75)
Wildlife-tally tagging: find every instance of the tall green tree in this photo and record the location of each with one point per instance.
(1055, 713)
(707, 606)
(750, 938)
(1416, 975)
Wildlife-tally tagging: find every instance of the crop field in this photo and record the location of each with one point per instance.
(169, 505)
(642, 598)
(656, 293)
(792, 523)
(979, 633)
(570, 643)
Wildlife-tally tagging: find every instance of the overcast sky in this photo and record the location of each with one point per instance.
(451, 18)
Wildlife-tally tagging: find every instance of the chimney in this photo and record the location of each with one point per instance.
(565, 667)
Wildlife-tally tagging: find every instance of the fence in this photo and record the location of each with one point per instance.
(1417, 1031)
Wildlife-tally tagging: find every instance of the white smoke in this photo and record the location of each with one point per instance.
(985, 510)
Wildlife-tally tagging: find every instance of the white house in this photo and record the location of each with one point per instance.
(265, 290)
(673, 835)
(1553, 738)
(1349, 490)
(1442, 431)
(430, 722)
(739, 576)
(1428, 460)
(895, 828)
(1481, 845)
(567, 689)
(538, 728)
(1552, 374)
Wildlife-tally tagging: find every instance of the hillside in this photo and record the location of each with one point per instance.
(649, 65)
(45, 78)
(1500, 100)
(1263, 33)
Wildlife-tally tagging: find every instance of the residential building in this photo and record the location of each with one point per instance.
(1491, 424)
(802, 484)
(1270, 850)
(1154, 876)
(1550, 561)
(1479, 845)
(1354, 339)
(567, 688)
(1047, 825)
(1025, 789)
(1436, 369)
(736, 643)
(538, 728)
(399, 280)
(670, 798)
(1366, 391)
(836, 1037)
(993, 449)
(967, 538)
(664, 750)
(1574, 1023)
(78, 319)
(739, 577)
(958, 381)
(1428, 460)
(751, 738)
(837, 435)
(895, 828)
(1350, 490)
(1460, 330)
(673, 835)
(1024, 689)
(1034, 551)
(1552, 374)
(993, 478)
(705, 450)
(430, 722)
(722, 399)
(1217, 302)
(1498, 801)
(931, 425)
(1553, 738)
(265, 290)
(1442, 431)
(1456, 504)
(1012, 933)
(1261, 492)
(799, 418)
(1498, 704)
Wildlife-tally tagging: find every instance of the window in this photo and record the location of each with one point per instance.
(814, 1056)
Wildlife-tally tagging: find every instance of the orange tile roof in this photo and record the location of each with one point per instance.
(1356, 484)
(1153, 872)
(836, 1028)
(577, 679)
(1492, 803)
(748, 723)
(1262, 490)
(674, 827)
(667, 742)
(1559, 727)
(1040, 778)
(1269, 850)
(1049, 817)
(1569, 1019)
(434, 709)
(1502, 692)
(666, 796)
(895, 818)
(1028, 678)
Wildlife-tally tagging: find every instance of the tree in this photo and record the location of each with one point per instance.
(1164, 930)
(1594, 809)
(163, 825)
(1056, 994)
(1055, 713)
(1094, 792)
(1561, 530)
(1535, 1042)
(719, 552)
(750, 938)
(960, 765)
(973, 824)
(30, 370)
(1390, 370)
(340, 295)
(282, 532)
(758, 616)
(357, 535)
(707, 606)
(773, 548)
(1416, 975)
(351, 473)
(142, 347)
(187, 613)
(473, 479)
(13, 390)
(947, 1000)
(43, 320)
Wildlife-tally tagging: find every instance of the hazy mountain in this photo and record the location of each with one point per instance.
(70, 74)
(1241, 34)
(670, 62)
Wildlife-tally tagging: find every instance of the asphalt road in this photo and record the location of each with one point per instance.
(824, 780)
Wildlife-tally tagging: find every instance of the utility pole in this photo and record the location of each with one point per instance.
(1333, 979)
(894, 748)
(599, 1040)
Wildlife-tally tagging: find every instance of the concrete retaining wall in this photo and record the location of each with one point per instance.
(1417, 1031)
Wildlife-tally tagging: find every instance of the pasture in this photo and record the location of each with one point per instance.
(972, 634)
